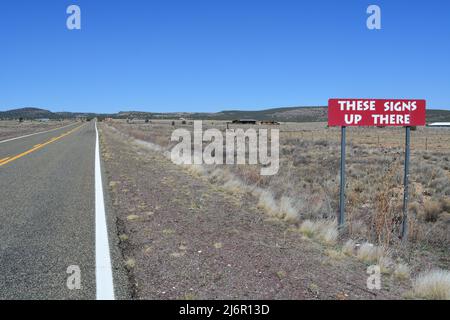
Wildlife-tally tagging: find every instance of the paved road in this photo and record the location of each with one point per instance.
(47, 214)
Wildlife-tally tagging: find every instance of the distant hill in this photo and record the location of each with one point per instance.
(36, 113)
(291, 114)
(27, 113)
(294, 114)
(435, 115)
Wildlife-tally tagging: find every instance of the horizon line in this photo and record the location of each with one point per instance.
(168, 112)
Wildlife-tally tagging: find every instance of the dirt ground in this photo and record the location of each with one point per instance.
(10, 129)
(185, 238)
(309, 179)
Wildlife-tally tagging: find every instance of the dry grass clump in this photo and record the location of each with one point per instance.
(287, 210)
(385, 263)
(132, 217)
(335, 254)
(308, 228)
(284, 209)
(148, 145)
(433, 285)
(402, 272)
(234, 186)
(218, 176)
(328, 232)
(386, 215)
(123, 237)
(349, 247)
(323, 230)
(196, 169)
(369, 253)
(267, 203)
(251, 175)
(431, 211)
(130, 263)
(445, 204)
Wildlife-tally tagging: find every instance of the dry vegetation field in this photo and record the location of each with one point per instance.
(13, 128)
(303, 196)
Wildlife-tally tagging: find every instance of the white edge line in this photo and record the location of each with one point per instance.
(103, 270)
(33, 134)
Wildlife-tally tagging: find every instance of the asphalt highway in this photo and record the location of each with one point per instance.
(47, 216)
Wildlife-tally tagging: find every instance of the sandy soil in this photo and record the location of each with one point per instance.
(185, 238)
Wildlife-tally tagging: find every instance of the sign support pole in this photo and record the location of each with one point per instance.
(342, 187)
(405, 185)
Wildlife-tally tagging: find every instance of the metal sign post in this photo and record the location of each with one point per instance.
(405, 185)
(342, 188)
(376, 113)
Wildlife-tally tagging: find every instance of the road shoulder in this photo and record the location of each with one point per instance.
(121, 283)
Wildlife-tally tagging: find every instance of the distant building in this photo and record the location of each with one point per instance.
(439, 124)
(272, 122)
(245, 121)
(81, 118)
(43, 120)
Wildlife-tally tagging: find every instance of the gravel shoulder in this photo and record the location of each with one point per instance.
(182, 237)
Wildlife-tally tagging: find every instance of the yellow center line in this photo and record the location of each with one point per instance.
(36, 147)
(4, 159)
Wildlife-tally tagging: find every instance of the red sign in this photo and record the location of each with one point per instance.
(376, 112)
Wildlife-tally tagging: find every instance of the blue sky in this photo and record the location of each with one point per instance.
(222, 54)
